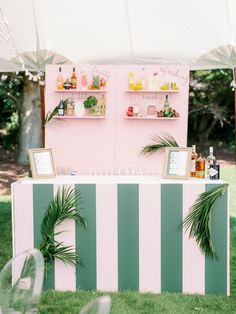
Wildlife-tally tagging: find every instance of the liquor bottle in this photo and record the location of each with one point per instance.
(60, 80)
(144, 79)
(210, 160)
(73, 79)
(61, 108)
(102, 105)
(166, 107)
(70, 107)
(136, 108)
(193, 161)
(131, 83)
(200, 167)
(84, 81)
(214, 171)
(152, 82)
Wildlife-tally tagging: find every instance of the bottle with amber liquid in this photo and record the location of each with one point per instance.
(194, 157)
(73, 79)
(200, 167)
(60, 80)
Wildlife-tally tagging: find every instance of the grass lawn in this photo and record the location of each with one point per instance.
(228, 174)
(134, 302)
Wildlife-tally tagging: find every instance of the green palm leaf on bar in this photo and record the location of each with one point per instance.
(160, 142)
(65, 205)
(198, 221)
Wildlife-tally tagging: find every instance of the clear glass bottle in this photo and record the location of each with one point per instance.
(200, 167)
(144, 79)
(102, 105)
(214, 171)
(136, 107)
(60, 80)
(210, 160)
(194, 157)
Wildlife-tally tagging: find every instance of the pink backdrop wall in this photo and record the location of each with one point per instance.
(114, 142)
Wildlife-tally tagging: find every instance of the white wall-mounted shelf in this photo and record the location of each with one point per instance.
(150, 118)
(80, 91)
(152, 91)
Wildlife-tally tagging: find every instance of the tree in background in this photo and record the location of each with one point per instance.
(211, 108)
(20, 114)
(11, 86)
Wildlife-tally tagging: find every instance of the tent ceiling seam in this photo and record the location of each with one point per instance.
(129, 30)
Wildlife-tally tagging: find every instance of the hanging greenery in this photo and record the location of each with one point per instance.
(198, 221)
(65, 205)
(160, 142)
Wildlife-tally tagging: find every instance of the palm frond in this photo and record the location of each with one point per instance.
(160, 142)
(65, 205)
(50, 115)
(198, 221)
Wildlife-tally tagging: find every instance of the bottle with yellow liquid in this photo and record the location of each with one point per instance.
(131, 82)
(200, 167)
(60, 80)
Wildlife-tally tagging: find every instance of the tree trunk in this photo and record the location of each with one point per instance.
(30, 121)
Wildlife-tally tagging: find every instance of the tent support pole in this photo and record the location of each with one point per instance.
(42, 87)
(235, 117)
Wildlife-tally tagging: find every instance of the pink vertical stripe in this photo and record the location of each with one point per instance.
(228, 243)
(23, 218)
(193, 259)
(149, 238)
(106, 241)
(65, 275)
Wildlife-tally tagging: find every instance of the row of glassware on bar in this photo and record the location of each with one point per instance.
(106, 172)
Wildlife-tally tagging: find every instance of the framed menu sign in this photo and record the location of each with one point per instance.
(177, 162)
(41, 163)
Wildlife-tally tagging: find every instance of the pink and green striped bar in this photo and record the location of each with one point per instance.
(133, 240)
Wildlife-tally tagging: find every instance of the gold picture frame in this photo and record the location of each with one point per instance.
(177, 163)
(42, 163)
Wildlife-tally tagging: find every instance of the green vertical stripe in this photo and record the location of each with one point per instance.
(128, 236)
(216, 270)
(42, 196)
(171, 237)
(86, 239)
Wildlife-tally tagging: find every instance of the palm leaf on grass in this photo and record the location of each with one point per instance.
(160, 142)
(198, 221)
(65, 205)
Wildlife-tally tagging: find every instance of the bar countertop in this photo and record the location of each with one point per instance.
(105, 179)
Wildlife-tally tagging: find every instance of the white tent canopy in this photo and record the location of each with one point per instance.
(199, 33)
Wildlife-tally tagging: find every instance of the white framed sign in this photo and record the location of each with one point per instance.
(41, 163)
(177, 162)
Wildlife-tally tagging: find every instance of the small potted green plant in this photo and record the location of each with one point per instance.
(90, 105)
